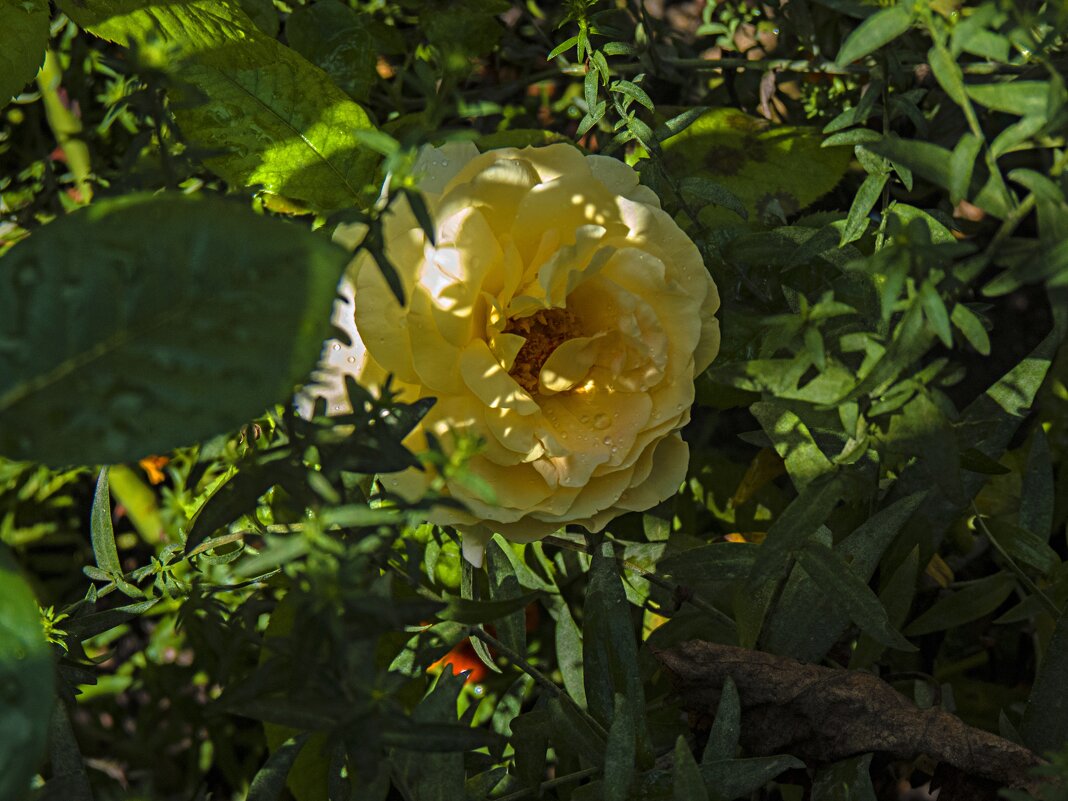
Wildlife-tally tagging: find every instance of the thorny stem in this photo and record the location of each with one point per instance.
(652, 578)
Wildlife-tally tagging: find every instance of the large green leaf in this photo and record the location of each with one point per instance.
(265, 116)
(1045, 722)
(773, 170)
(333, 36)
(25, 683)
(143, 323)
(610, 652)
(23, 36)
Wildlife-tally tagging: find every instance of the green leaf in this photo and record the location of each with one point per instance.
(569, 652)
(269, 783)
(620, 752)
(877, 30)
(977, 599)
(997, 413)
(333, 37)
(562, 48)
(846, 780)
(633, 91)
(464, 610)
(23, 38)
(1038, 493)
(26, 678)
(727, 727)
(1024, 546)
(733, 778)
(716, 561)
(935, 312)
(85, 626)
(799, 521)
(123, 320)
(948, 74)
(850, 593)
(961, 165)
(706, 192)
(1045, 720)
(766, 167)
(432, 776)
(972, 328)
(504, 586)
(791, 439)
(530, 738)
(101, 532)
(896, 598)
(864, 201)
(435, 737)
(266, 115)
(688, 783)
(608, 645)
(806, 623)
(924, 158)
(1022, 98)
(573, 731)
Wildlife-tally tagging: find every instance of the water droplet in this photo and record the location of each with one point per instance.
(563, 435)
(602, 421)
(351, 360)
(336, 346)
(615, 449)
(607, 440)
(584, 418)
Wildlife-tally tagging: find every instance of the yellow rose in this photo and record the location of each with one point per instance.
(560, 318)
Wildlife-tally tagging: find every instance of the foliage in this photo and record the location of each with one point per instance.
(234, 605)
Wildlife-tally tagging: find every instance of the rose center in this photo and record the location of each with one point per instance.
(544, 331)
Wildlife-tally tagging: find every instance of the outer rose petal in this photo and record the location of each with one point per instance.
(553, 269)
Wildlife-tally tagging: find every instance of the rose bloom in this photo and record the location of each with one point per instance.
(560, 318)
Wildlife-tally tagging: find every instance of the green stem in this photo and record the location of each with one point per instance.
(66, 127)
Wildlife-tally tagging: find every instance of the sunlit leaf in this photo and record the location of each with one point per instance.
(262, 114)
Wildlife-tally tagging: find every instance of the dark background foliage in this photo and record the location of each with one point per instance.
(233, 608)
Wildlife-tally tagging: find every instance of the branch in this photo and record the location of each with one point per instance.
(825, 714)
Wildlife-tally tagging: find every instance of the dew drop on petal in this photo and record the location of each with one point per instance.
(602, 421)
(336, 346)
(607, 440)
(351, 360)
